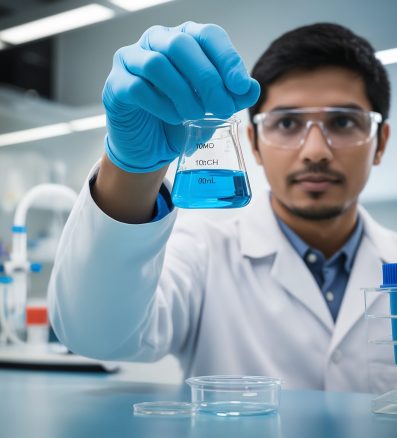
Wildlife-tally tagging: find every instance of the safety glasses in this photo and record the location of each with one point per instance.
(341, 127)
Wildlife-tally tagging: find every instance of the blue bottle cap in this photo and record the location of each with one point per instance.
(18, 229)
(35, 267)
(5, 280)
(389, 275)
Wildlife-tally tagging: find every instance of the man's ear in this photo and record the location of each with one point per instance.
(254, 144)
(382, 143)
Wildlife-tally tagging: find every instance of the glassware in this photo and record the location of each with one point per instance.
(211, 171)
(37, 324)
(12, 313)
(235, 395)
(167, 408)
(224, 396)
(5, 293)
(381, 318)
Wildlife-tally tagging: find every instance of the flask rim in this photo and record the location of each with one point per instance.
(211, 121)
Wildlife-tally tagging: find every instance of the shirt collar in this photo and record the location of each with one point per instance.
(261, 236)
(349, 249)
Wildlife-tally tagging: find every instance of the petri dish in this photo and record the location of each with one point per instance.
(235, 395)
(168, 408)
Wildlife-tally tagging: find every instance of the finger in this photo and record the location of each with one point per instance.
(158, 70)
(186, 55)
(248, 99)
(216, 44)
(125, 91)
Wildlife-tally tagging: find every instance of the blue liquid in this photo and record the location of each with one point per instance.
(211, 189)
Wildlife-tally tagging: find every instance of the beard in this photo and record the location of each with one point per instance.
(316, 214)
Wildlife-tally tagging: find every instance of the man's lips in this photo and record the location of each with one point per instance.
(316, 178)
(316, 182)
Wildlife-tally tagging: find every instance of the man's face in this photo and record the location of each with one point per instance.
(316, 181)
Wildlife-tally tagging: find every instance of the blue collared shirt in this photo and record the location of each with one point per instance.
(163, 204)
(333, 274)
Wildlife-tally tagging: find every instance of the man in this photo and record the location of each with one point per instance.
(275, 291)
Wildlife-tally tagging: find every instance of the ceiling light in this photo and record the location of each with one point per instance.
(387, 56)
(136, 5)
(62, 22)
(34, 134)
(88, 123)
(55, 130)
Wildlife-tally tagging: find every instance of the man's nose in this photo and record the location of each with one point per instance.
(315, 147)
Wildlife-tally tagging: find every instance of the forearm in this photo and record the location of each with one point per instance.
(104, 279)
(126, 197)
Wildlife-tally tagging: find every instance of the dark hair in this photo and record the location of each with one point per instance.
(318, 45)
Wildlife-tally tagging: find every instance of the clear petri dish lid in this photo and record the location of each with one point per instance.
(167, 408)
(233, 382)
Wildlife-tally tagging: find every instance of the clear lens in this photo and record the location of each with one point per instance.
(341, 127)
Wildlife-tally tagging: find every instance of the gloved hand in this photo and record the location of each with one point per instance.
(169, 76)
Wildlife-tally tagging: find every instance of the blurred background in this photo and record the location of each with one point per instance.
(51, 79)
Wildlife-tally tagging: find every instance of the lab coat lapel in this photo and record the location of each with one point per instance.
(261, 237)
(291, 272)
(365, 273)
(376, 248)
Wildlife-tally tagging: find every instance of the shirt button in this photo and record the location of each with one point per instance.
(311, 257)
(329, 296)
(337, 356)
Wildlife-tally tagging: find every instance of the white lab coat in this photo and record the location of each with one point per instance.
(226, 297)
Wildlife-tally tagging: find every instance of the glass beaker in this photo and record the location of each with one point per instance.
(5, 286)
(381, 317)
(11, 320)
(211, 171)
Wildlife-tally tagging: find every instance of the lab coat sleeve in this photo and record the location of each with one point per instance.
(115, 293)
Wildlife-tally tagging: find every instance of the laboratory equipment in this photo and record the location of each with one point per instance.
(37, 324)
(381, 317)
(18, 266)
(12, 314)
(5, 286)
(211, 171)
(19, 346)
(169, 408)
(235, 395)
(224, 396)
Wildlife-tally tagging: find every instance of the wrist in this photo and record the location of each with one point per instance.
(125, 196)
(127, 167)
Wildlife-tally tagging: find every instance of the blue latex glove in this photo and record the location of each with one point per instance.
(170, 75)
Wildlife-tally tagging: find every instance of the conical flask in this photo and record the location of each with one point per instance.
(211, 171)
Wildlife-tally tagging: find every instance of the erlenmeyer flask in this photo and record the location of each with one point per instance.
(211, 171)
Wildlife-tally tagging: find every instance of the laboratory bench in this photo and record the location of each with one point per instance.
(56, 404)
